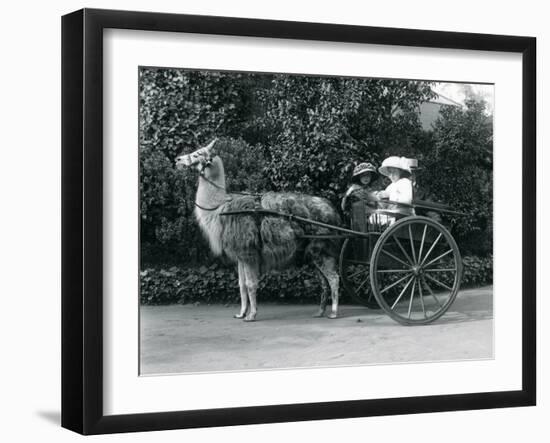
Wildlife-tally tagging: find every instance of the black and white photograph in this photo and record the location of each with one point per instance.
(293, 221)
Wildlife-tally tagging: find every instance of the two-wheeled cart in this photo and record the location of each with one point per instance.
(408, 265)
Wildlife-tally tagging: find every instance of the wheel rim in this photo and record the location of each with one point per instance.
(415, 270)
(355, 272)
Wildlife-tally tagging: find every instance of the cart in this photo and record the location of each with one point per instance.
(408, 265)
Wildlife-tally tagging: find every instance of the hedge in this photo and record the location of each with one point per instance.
(305, 134)
(219, 284)
(478, 271)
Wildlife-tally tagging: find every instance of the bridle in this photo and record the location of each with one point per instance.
(205, 178)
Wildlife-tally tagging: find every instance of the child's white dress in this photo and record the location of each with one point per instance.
(400, 191)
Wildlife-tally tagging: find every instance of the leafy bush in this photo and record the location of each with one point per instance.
(478, 271)
(218, 284)
(458, 170)
(180, 109)
(169, 232)
(318, 128)
(175, 285)
(300, 133)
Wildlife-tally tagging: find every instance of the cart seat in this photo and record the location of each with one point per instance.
(365, 218)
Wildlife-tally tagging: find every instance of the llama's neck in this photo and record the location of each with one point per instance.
(211, 196)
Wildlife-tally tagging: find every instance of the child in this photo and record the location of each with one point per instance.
(363, 175)
(400, 190)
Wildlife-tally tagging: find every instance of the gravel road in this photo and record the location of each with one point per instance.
(189, 338)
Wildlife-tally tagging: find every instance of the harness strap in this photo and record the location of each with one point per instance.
(208, 209)
(205, 178)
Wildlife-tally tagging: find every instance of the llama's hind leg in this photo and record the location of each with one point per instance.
(252, 274)
(325, 288)
(243, 290)
(328, 268)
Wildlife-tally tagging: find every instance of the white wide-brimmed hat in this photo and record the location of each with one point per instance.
(402, 163)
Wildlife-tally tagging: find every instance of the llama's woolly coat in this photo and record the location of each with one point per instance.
(271, 241)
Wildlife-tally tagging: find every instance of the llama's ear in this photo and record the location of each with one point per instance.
(210, 147)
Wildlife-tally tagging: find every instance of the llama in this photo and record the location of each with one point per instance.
(259, 243)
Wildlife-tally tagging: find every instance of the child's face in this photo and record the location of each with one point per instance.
(365, 178)
(394, 174)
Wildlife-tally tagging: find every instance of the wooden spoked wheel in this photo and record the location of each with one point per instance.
(415, 270)
(355, 270)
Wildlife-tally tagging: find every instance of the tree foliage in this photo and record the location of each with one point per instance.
(299, 133)
(318, 127)
(459, 169)
(179, 110)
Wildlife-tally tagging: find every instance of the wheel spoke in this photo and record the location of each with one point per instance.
(361, 285)
(440, 270)
(401, 293)
(402, 249)
(394, 283)
(412, 243)
(411, 298)
(357, 262)
(422, 243)
(395, 258)
(355, 274)
(431, 293)
(439, 283)
(437, 258)
(431, 249)
(422, 299)
(393, 270)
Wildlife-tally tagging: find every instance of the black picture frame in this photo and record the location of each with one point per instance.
(82, 215)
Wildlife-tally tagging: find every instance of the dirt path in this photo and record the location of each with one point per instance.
(176, 339)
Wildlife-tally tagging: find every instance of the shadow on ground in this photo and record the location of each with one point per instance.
(53, 417)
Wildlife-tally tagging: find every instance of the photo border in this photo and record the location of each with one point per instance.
(82, 220)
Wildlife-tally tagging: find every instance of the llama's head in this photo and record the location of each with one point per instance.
(199, 158)
(203, 159)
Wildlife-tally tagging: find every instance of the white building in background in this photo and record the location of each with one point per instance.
(430, 110)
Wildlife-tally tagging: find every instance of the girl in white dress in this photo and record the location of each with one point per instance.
(400, 190)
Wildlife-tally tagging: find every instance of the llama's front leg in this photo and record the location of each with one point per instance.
(252, 274)
(328, 268)
(243, 291)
